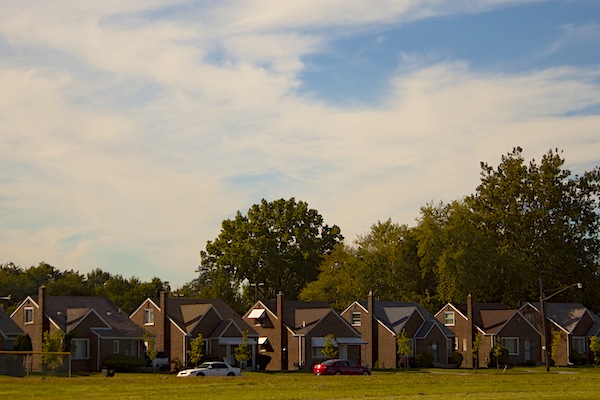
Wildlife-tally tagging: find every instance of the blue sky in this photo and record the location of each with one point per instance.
(130, 130)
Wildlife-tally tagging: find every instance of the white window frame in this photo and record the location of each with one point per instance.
(148, 316)
(583, 341)
(28, 315)
(449, 318)
(503, 342)
(75, 342)
(116, 346)
(356, 318)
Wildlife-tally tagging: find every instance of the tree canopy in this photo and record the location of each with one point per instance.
(278, 244)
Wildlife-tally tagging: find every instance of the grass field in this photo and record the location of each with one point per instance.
(517, 383)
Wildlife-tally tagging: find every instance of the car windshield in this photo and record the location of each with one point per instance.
(204, 365)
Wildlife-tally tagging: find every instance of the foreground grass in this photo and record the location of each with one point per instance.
(516, 383)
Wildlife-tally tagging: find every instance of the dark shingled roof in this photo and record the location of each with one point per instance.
(7, 326)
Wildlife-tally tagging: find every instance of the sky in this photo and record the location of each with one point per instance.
(129, 130)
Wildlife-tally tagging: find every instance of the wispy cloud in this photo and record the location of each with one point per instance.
(131, 130)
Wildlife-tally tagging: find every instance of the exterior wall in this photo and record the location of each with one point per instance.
(363, 353)
(386, 355)
(269, 328)
(519, 328)
(535, 317)
(435, 339)
(462, 328)
(178, 346)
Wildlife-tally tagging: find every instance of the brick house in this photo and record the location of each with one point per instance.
(9, 331)
(494, 322)
(576, 323)
(292, 334)
(175, 322)
(94, 327)
(381, 322)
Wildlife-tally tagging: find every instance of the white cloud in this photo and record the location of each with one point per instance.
(130, 134)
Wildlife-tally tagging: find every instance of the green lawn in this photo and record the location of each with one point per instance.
(518, 383)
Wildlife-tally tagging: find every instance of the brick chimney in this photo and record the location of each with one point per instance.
(39, 320)
(162, 321)
(370, 346)
(471, 333)
(282, 332)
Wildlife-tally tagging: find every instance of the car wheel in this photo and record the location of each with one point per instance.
(200, 374)
(365, 372)
(338, 373)
(230, 374)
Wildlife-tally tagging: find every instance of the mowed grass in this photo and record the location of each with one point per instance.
(517, 383)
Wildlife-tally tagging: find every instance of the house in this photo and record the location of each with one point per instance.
(572, 321)
(381, 322)
(292, 334)
(95, 328)
(494, 322)
(9, 331)
(175, 322)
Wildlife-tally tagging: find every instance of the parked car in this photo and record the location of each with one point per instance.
(214, 368)
(161, 361)
(340, 367)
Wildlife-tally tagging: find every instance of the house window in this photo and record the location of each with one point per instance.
(456, 344)
(512, 345)
(149, 316)
(449, 318)
(115, 347)
(464, 345)
(80, 349)
(355, 319)
(28, 315)
(579, 343)
(317, 352)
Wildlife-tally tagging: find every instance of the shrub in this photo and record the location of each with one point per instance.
(424, 360)
(456, 358)
(124, 363)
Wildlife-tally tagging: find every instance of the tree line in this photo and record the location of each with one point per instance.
(526, 221)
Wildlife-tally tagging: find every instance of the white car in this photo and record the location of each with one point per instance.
(214, 368)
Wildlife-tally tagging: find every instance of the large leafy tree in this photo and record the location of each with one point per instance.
(279, 244)
(543, 221)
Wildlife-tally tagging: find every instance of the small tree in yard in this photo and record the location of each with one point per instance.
(150, 346)
(196, 351)
(330, 351)
(53, 342)
(242, 352)
(595, 349)
(500, 354)
(557, 339)
(475, 350)
(404, 348)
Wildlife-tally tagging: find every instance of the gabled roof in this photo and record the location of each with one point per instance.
(567, 315)
(493, 320)
(8, 327)
(67, 312)
(394, 315)
(188, 314)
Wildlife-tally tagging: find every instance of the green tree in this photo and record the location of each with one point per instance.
(23, 343)
(499, 354)
(53, 342)
(196, 351)
(558, 338)
(330, 350)
(475, 350)
(279, 243)
(595, 349)
(403, 347)
(242, 351)
(150, 344)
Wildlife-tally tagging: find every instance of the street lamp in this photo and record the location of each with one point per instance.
(543, 299)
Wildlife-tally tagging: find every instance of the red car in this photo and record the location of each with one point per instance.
(340, 367)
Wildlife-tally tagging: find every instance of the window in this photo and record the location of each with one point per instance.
(511, 344)
(449, 318)
(28, 315)
(579, 343)
(355, 319)
(149, 316)
(115, 347)
(317, 352)
(80, 349)
(464, 345)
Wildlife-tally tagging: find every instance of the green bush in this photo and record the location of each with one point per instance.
(424, 360)
(124, 363)
(456, 358)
